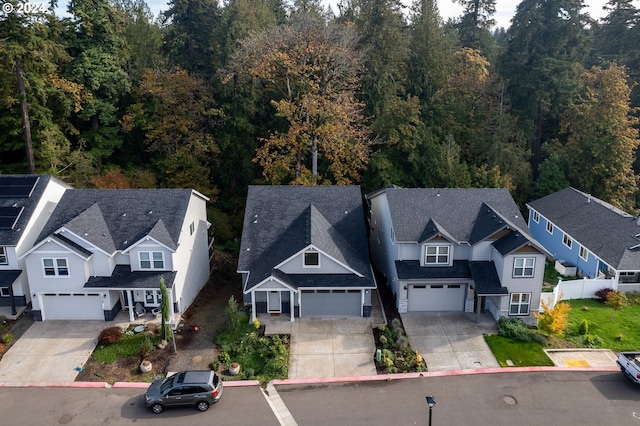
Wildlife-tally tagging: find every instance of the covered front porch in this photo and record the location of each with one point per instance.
(136, 293)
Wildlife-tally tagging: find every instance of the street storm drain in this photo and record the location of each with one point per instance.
(65, 419)
(509, 400)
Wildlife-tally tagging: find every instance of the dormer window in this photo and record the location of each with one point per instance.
(151, 260)
(437, 255)
(311, 259)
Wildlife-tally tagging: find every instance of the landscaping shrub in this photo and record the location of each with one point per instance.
(553, 321)
(109, 336)
(592, 340)
(7, 339)
(616, 301)
(634, 298)
(146, 347)
(583, 329)
(603, 293)
(515, 329)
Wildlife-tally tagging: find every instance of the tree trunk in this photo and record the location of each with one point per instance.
(26, 127)
(536, 146)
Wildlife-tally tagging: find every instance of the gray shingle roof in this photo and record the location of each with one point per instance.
(113, 219)
(7, 277)
(280, 221)
(510, 242)
(606, 231)
(27, 205)
(122, 277)
(411, 270)
(465, 214)
(486, 278)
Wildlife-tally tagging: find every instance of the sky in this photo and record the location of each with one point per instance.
(505, 9)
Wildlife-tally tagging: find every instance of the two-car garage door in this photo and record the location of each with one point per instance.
(75, 306)
(436, 297)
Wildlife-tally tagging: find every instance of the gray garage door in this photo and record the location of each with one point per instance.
(436, 297)
(77, 306)
(325, 303)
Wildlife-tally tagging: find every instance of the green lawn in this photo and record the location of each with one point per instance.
(620, 333)
(523, 354)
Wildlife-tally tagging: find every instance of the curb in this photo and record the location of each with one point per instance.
(323, 380)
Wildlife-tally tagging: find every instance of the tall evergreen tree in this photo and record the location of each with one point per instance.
(545, 41)
(474, 26)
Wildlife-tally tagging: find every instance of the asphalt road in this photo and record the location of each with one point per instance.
(558, 398)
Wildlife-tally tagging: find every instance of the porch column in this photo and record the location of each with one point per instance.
(478, 307)
(172, 318)
(13, 301)
(130, 304)
(292, 308)
(254, 314)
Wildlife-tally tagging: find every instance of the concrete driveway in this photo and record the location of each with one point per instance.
(450, 340)
(327, 347)
(50, 351)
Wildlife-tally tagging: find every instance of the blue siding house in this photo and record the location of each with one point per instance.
(597, 238)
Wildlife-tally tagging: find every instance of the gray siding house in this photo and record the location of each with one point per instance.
(304, 252)
(105, 250)
(456, 249)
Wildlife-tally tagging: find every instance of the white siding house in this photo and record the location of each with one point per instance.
(103, 251)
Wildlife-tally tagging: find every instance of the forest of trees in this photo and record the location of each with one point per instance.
(216, 95)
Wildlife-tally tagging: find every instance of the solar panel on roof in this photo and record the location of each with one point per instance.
(17, 186)
(9, 216)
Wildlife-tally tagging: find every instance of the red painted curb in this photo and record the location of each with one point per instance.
(54, 385)
(229, 384)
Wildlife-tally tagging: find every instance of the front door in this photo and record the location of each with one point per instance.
(274, 304)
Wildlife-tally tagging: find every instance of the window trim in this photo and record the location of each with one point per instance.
(55, 267)
(550, 227)
(536, 217)
(152, 260)
(437, 255)
(524, 267)
(310, 265)
(5, 292)
(519, 303)
(3, 254)
(584, 250)
(192, 228)
(567, 241)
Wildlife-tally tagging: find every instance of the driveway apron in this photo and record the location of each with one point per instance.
(327, 347)
(450, 340)
(50, 351)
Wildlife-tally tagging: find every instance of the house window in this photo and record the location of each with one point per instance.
(312, 259)
(4, 292)
(192, 228)
(436, 255)
(151, 260)
(549, 227)
(523, 266)
(566, 240)
(3, 256)
(152, 298)
(520, 304)
(584, 254)
(55, 267)
(536, 217)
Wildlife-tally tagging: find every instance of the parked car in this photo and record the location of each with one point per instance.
(629, 363)
(198, 388)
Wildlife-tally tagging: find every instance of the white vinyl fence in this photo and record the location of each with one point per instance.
(575, 289)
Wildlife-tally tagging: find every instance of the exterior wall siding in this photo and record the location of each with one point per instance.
(513, 284)
(327, 266)
(553, 243)
(150, 246)
(383, 250)
(191, 260)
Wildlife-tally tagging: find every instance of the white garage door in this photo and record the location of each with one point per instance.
(325, 303)
(436, 297)
(76, 306)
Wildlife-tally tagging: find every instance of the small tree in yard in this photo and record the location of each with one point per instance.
(553, 321)
(616, 301)
(164, 312)
(233, 317)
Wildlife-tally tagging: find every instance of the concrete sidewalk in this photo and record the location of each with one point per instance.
(582, 358)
